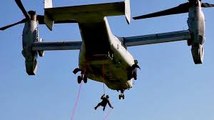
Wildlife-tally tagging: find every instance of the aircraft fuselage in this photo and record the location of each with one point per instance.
(103, 57)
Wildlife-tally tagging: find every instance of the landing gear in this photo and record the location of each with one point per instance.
(85, 80)
(76, 70)
(121, 95)
(81, 77)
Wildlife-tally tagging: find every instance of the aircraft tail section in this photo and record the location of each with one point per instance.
(47, 20)
(85, 13)
(127, 11)
(48, 3)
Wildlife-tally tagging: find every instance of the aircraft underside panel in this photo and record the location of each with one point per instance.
(95, 38)
(113, 75)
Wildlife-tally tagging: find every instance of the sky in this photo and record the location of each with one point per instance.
(169, 86)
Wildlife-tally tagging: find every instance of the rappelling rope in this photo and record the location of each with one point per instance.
(103, 69)
(107, 114)
(76, 102)
(104, 91)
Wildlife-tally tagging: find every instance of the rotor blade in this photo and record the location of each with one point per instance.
(40, 18)
(11, 25)
(206, 5)
(20, 5)
(182, 8)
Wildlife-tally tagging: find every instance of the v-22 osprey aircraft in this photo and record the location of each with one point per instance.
(104, 57)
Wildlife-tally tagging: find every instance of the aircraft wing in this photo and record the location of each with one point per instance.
(47, 46)
(157, 38)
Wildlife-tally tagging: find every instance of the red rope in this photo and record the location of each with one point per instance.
(76, 102)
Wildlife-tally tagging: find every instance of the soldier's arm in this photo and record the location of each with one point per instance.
(138, 66)
(102, 97)
(110, 105)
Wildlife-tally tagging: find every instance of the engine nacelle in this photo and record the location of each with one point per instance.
(29, 36)
(196, 23)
